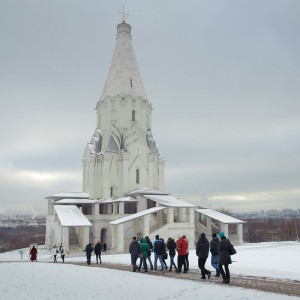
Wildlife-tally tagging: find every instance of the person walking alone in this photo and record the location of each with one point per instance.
(224, 257)
(33, 254)
(202, 250)
(97, 251)
(104, 247)
(88, 251)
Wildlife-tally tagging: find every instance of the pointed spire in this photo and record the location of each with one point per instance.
(124, 78)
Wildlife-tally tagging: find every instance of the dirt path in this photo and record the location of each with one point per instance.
(291, 288)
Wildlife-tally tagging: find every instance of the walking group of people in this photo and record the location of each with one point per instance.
(159, 247)
(55, 251)
(220, 255)
(99, 248)
(218, 247)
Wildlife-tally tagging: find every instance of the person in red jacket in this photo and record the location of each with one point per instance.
(33, 254)
(181, 250)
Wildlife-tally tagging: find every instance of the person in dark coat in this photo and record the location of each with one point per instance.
(62, 253)
(158, 249)
(202, 250)
(171, 245)
(104, 247)
(33, 254)
(224, 257)
(149, 254)
(97, 251)
(214, 250)
(134, 250)
(165, 254)
(88, 251)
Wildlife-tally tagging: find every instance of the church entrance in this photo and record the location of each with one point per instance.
(103, 235)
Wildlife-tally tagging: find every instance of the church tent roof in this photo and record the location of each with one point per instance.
(123, 76)
(136, 215)
(219, 216)
(74, 195)
(169, 200)
(71, 215)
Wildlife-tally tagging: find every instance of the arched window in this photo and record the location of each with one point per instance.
(137, 176)
(111, 191)
(133, 115)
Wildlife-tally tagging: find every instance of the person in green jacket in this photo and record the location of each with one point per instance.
(145, 251)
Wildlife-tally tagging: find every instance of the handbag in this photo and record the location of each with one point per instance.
(232, 251)
(165, 256)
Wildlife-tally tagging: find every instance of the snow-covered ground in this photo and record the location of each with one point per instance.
(22, 279)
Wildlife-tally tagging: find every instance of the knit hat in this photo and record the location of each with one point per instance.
(202, 235)
(221, 234)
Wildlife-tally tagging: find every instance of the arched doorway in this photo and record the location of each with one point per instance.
(103, 235)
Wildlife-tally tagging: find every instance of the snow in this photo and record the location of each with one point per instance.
(219, 216)
(69, 195)
(22, 279)
(71, 215)
(169, 200)
(137, 215)
(74, 201)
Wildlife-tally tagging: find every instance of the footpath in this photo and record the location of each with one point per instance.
(291, 287)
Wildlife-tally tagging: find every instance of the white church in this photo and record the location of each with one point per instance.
(123, 175)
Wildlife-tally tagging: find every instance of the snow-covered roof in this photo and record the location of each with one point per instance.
(169, 200)
(71, 215)
(137, 215)
(73, 195)
(122, 199)
(147, 190)
(219, 216)
(75, 201)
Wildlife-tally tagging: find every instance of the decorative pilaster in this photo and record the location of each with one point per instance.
(240, 233)
(120, 232)
(170, 215)
(146, 225)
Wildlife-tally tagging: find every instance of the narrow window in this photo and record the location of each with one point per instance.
(130, 82)
(137, 176)
(111, 191)
(133, 115)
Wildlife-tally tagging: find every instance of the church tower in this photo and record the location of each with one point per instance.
(122, 155)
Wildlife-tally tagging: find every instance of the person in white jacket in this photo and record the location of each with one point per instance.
(54, 252)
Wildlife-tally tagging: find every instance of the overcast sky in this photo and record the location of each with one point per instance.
(223, 78)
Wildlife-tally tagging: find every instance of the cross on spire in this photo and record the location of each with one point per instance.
(123, 14)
